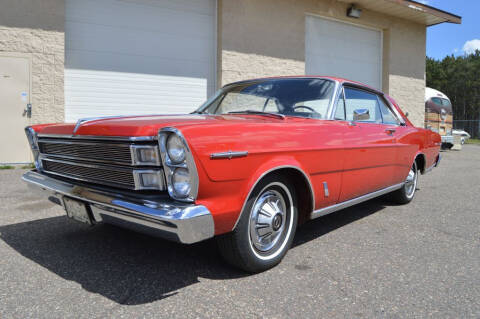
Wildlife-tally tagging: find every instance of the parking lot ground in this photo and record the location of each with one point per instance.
(372, 260)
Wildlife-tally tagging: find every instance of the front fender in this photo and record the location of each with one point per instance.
(226, 199)
(271, 166)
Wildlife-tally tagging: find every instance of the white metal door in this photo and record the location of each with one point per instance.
(138, 56)
(14, 97)
(344, 50)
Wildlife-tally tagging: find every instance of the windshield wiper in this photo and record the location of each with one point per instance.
(258, 113)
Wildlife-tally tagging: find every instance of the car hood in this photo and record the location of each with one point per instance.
(147, 125)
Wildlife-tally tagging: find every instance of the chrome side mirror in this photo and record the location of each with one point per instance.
(361, 115)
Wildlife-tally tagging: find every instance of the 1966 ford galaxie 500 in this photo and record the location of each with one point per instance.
(258, 158)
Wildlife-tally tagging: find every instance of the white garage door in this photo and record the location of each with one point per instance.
(138, 56)
(343, 50)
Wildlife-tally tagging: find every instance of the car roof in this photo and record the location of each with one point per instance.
(333, 78)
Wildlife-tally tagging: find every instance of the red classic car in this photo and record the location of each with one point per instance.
(258, 158)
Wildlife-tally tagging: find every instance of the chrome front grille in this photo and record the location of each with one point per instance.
(99, 152)
(105, 162)
(122, 178)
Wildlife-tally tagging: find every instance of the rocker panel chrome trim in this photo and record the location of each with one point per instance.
(330, 209)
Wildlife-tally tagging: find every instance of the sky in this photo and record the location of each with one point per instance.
(448, 38)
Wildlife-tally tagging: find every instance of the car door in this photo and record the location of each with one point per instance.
(405, 141)
(369, 145)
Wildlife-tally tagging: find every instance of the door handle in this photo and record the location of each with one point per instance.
(390, 131)
(27, 111)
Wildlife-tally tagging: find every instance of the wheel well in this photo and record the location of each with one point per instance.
(421, 163)
(304, 192)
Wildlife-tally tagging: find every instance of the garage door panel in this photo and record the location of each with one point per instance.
(115, 93)
(158, 22)
(186, 6)
(132, 42)
(128, 57)
(139, 64)
(344, 50)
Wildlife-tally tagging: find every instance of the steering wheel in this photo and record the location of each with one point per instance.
(305, 107)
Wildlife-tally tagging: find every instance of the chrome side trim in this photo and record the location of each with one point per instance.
(263, 175)
(228, 154)
(102, 138)
(332, 105)
(330, 209)
(325, 189)
(185, 223)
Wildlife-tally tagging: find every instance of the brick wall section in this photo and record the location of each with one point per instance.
(267, 38)
(37, 28)
(256, 66)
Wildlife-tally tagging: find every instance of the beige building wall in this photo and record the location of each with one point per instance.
(36, 27)
(267, 38)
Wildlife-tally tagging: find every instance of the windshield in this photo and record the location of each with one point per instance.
(290, 97)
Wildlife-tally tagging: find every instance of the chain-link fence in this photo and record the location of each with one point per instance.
(472, 127)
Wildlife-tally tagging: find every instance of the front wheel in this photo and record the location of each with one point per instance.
(266, 227)
(405, 194)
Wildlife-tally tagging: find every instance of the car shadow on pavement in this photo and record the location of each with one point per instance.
(131, 268)
(127, 267)
(325, 224)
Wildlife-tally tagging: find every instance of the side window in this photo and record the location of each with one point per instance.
(387, 114)
(359, 99)
(437, 101)
(340, 110)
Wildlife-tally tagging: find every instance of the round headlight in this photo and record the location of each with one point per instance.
(181, 182)
(175, 149)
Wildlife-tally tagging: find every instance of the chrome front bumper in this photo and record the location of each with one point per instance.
(181, 222)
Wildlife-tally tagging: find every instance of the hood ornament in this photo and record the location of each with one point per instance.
(89, 119)
(79, 123)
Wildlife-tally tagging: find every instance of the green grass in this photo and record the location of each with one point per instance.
(26, 166)
(472, 141)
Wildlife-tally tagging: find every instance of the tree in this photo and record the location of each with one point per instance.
(459, 78)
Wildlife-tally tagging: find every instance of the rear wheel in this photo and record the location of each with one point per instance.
(266, 227)
(405, 194)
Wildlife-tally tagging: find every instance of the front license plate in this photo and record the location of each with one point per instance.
(77, 210)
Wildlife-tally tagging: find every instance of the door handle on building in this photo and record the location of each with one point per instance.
(28, 111)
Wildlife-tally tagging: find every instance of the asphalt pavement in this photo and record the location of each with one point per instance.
(372, 260)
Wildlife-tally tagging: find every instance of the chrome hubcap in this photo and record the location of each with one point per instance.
(267, 220)
(411, 181)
